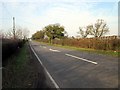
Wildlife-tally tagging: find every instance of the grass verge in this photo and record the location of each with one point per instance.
(103, 52)
(15, 71)
(23, 70)
(20, 70)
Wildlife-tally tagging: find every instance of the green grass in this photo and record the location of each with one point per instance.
(15, 71)
(111, 53)
(104, 52)
(21, 59)
(23, 71)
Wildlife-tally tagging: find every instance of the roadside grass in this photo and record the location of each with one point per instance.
(111, 53)
(103, 52)
(15, 73)
(23, 70)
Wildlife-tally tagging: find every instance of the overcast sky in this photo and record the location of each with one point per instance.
(72, 14)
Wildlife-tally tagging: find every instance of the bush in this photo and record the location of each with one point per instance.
(10, 46)
(103, 43)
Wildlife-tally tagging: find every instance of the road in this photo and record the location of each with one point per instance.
(75, 69)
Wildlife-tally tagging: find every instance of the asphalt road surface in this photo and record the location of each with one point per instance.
(75, 69)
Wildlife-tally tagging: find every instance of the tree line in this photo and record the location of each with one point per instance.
(56, 31)
(56, 34)
(51, 32)
(12, 42)
(20, 33)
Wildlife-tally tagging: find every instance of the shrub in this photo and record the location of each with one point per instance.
(10, 46)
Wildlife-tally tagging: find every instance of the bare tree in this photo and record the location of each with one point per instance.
(25, 33)
(99, 29)
(84, 32)
(7, 34)
(18, 34)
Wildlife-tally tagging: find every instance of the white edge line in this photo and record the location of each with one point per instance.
(53, 81)
(81, 58)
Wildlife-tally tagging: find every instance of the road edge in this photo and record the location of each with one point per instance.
(48, 74)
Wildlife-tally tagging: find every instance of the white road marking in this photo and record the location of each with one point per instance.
(44, 47)
(81, 59)
(54, 50)
(0, 67)
(53, 81)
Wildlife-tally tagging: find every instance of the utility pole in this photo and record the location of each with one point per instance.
(14, 27)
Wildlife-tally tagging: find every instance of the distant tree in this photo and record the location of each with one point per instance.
(8, 34)
(84, 32)
(99, 29)
(65, 34)
(18, 33)
(54, 31)
(38, 35)
(25, 33)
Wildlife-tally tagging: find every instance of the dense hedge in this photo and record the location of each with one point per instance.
(103, 43)
(10, 46)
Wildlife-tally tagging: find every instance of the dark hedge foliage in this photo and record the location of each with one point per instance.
(10, 46)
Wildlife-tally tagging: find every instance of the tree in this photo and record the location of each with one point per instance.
(65, 34)
(21, 33)
(99, 29)
(8, 34)
(18, 34)
(54, 31)
(25, 33)
(84, 31)
(38, 35)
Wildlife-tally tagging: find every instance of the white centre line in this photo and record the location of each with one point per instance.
(54, 50)
(44, 47)
(81, 59)
(53, 81)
